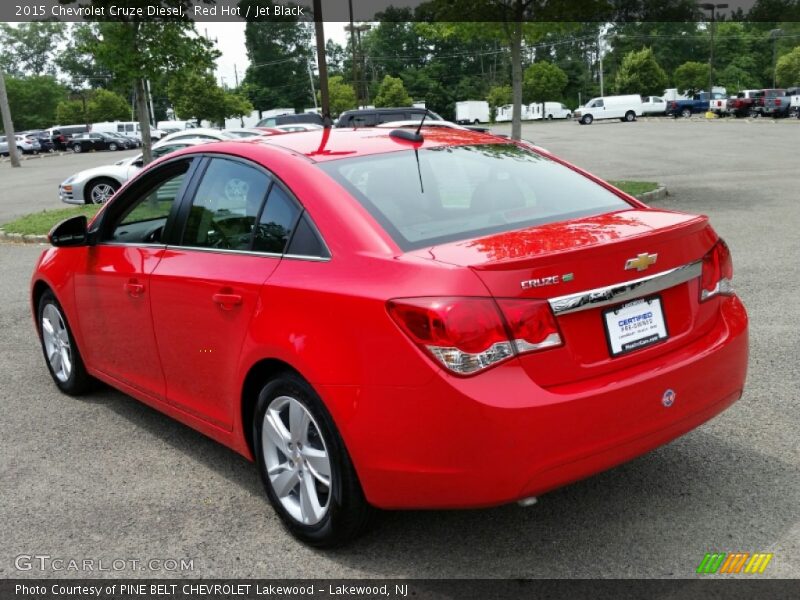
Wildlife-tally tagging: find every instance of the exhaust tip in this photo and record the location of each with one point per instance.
(526, 502)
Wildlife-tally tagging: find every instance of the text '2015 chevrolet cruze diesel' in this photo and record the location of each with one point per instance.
(384, 319)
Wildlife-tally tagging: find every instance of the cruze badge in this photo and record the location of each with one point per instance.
(668, 399)
(641, 262)
(543, 281)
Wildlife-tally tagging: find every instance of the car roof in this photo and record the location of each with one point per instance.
(330, 144)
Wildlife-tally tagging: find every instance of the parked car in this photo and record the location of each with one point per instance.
(98, 184)
(274, 121)
(465, 321)
(370, 117)
(771, 103)
(295, 127)
(24, 144)
(131, 129)
(200, 133)
(470, 112)
(624, 108)
(654, 105)
(688, 106)
(175, 125)
(87, 142)
(742, 104)
(62, 134)
(45, 143)
(126, 143)
(718, 106)
(415, 124)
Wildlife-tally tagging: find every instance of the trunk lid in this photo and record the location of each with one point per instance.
(567, 258)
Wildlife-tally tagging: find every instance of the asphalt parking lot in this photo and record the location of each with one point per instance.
(106, 477)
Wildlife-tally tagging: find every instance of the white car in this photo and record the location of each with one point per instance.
(415, 124)
(98, 184)
(654, 105)
(200, 133)
(24, 145)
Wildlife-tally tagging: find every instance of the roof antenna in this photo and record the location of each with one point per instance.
(405, 134)
(425, 114)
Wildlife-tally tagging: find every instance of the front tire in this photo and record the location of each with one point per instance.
(113, 147)
(587, 119)
(100, 191)
(304, 465)
(60, 351)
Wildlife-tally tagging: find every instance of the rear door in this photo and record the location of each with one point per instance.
(235, 225)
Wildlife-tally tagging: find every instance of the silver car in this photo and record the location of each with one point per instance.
(24, 145)
(98, 184)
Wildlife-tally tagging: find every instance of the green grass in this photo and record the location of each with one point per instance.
(41, 223)
(635, 188)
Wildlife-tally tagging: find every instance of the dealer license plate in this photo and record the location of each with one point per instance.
(635, 325)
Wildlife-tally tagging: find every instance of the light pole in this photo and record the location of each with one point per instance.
(775, 34)
(713, 8)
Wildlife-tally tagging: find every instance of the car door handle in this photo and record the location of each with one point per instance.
(134, 288)
(226, 300)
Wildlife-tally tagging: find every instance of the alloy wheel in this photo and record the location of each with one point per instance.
(56, 342)
(297, 460)
(101, 193)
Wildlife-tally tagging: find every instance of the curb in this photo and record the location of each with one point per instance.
(27, 157)
(659, 193)
(20, 238)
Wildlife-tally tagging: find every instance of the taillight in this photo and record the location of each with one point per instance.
(717, 275)
(467, 335)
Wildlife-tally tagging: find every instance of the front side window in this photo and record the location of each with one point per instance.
(144, 220)
(225, 207)
(459, 192)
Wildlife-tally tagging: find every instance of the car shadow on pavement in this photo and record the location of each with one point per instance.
(653, 517)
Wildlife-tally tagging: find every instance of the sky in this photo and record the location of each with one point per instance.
(230, 41)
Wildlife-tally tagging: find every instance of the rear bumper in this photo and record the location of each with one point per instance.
(498, 437)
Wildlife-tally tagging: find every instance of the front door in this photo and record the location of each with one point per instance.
(113, 287)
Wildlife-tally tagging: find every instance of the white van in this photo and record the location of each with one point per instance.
(472, 112)
(171, 126)
(129, 129)
(556, 110)
(624, 108)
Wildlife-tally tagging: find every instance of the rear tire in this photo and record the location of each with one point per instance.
(77, 149)
(298, 449)
(686, 113)
(60, 351)
(630, 116)
(113, 147)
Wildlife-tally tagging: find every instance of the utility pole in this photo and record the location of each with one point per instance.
(774, 34)
(351, 28)
(8, 125)
(236, 75)
(600, 59)
(713, 8)
(322, 64)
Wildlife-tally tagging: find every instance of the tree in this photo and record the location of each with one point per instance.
(137, 51)
(280, 50)
(392, 92)
(34, 100)
(691, 77)
(72, 112)
(197, 96)
(30, 48)
(640, 73)
(499, 95)
(788, 69)
(106, 106)
(544, 81)
(342, 96)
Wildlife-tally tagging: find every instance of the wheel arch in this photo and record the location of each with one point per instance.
(38, 289)
(257, 375)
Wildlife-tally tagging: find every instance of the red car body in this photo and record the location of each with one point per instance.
(419, 435)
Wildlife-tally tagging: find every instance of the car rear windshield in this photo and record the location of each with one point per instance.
(437, 195)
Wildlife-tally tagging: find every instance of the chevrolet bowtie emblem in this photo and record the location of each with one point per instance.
(641, 262)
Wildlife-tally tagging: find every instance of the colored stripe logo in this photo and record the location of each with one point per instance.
(734, 562)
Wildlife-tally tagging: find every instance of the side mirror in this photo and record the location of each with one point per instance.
(70, 232)
(138, 163)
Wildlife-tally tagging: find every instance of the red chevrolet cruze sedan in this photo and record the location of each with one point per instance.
(385, 319)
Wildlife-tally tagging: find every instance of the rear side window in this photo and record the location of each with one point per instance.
(276, 223)
(460, 192)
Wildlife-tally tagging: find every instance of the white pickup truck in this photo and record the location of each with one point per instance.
(794, 102)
